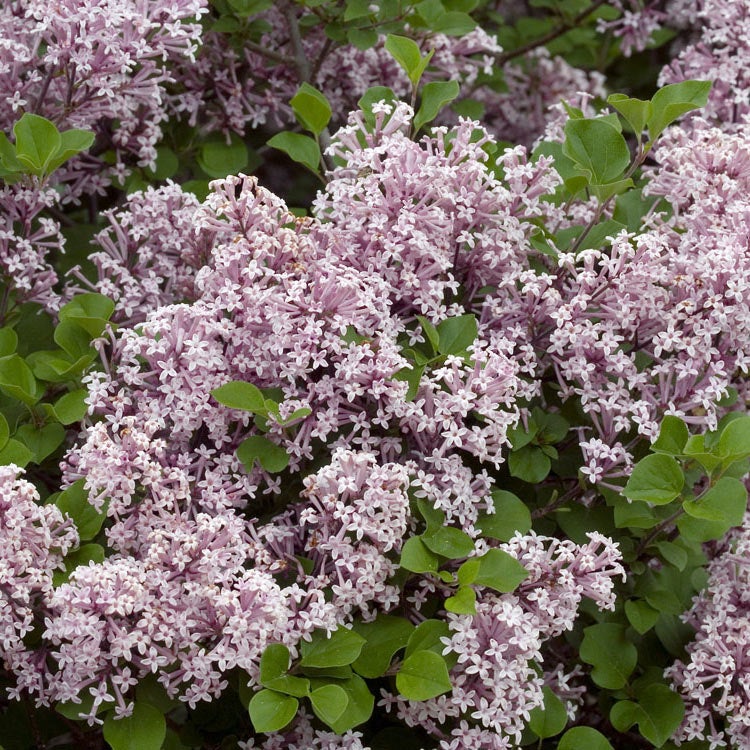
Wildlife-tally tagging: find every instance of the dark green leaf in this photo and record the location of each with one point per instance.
(584, 738)
(144, 729)
(427, 637)
(725, 502)
(273, 458)
(658, 713)
(448, 542)
(550, 719)
(641, 615)
(359, 707)
(18, 381)
(385, 636)
(217, 158)
(609, 652)
(529, 463)
(511, 515)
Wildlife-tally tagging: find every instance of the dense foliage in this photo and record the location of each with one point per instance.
(374, 374)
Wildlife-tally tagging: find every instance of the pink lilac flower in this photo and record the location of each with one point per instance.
(34, 539)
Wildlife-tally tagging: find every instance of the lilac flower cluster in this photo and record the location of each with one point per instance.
(34, 539)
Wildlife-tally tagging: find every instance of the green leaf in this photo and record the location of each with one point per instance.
(41, 441)
(373, 95)
(8, 341)
(417, 557)
(430, 332)
(18, 381)
(635, 111)
(456, 335)
(609, 652)
(658, 713)
(463, 602)
(341, 648)
(72, 142)
(511, 515)
(71, 407)
(657, 479)
(385, 636)
(413, 376)
(468, 571)
(422, 676)
(15, 452)
(453, 23)
(144, 729)
(4, 431)
(273, 458)
(597, 148)
(583, 738)
(673, 554)
(435, 95)
(37, 142)
(529, 463)
(271, 711)
(695, 449)
(8, 161)
(673, 435)
(500, 571)
(217, 158)
(406, 53)
(674, 100)
(274, 662)
(311, 108)
(449, 542)
(90, 311)
(300, 148)
(550, 719)
(427, 637)
(329, 703)
(734, 441)
(241, 395)
(725, 502)
(74, 501)
(84, 555)
(641, 615)
(360, 705)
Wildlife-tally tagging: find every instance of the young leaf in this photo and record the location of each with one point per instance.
(457, 334)
(299, 148)
(342, 647)
(635, 111)
(72, 142)
(449, 542)
(311, 108)
(273, 458)
(435, 95)
(463, 602)
(597, 148)
(240, 395)
(422, 676)
(144, 729)
(271, 711)
(674, 100)
(406, 53)
(37, 142)
(500, 571)
(657, 479)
